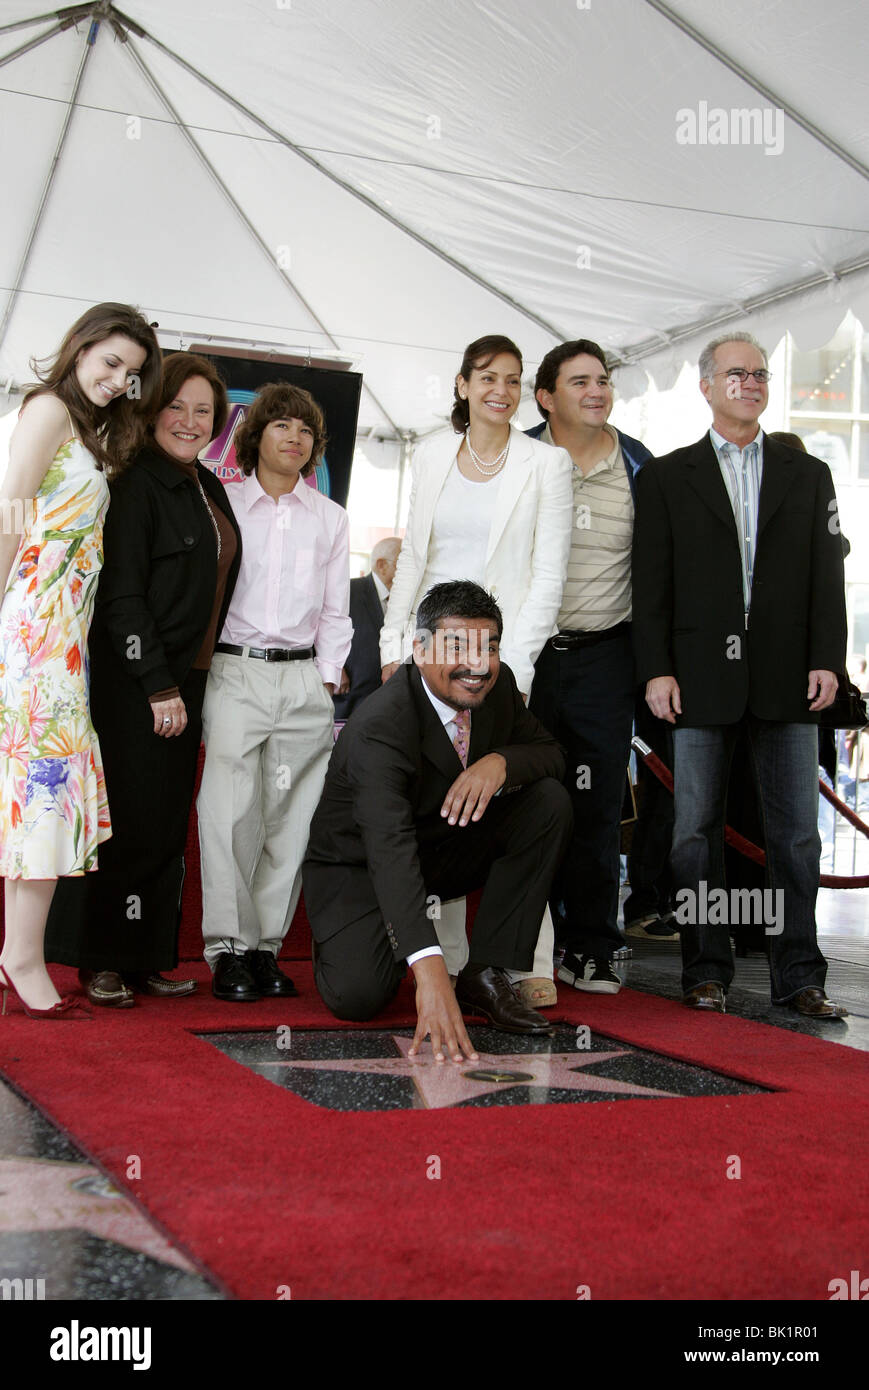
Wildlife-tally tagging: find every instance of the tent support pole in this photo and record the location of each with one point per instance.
(30, 45)
(832, 145)
(49, 181)
(361, 197)
(403, 460)
(61, 19)
(241, 214)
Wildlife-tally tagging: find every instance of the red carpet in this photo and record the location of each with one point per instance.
(630, 1198)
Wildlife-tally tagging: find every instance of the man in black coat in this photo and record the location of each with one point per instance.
(739, 621)
(368, 597)
(401, 826)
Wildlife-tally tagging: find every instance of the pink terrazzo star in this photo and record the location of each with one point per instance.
(442, 1084)
(43, 1195)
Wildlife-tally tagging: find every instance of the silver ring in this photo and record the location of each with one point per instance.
(167, 721)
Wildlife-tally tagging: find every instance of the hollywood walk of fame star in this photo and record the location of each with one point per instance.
(442, 1084)
(47, 1195)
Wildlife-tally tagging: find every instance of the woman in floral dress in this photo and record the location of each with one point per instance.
(85, 417)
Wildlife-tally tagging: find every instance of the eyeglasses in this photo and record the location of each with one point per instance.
(740, 374)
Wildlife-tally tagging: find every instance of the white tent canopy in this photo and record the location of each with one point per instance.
(385, 180)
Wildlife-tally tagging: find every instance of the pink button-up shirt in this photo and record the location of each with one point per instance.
(293, 588)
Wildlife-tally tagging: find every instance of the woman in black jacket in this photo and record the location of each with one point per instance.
(172, 554)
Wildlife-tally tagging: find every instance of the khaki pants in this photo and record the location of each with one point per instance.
(267, 728)
(453, 941)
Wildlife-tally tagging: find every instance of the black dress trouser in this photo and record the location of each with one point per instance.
(512, 853)
(125, 916)
(585, 698)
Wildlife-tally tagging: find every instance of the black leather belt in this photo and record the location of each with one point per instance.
(567, 641)
(267, 653)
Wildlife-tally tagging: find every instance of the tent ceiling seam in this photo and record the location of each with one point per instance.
(502, 181)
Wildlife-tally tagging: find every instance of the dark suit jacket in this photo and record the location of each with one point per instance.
(688, 609)
(363, 663)
(390, 770)
(160, 571)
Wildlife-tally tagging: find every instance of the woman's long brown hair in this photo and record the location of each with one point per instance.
(114, 432)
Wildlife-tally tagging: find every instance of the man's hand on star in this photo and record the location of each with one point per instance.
(822, 689)
(438, 1013)
(472, 791)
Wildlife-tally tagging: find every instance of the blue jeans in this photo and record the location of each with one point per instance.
(785, 764)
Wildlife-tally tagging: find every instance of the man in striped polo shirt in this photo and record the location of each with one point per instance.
(584, 683)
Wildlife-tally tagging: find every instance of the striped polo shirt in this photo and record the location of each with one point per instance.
(597, 591)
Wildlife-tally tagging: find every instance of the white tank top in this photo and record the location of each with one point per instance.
(460, 530)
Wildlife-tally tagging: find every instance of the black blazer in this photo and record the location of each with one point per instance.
(390, 770)
(363, 663)
(688, 609)
(158, 580)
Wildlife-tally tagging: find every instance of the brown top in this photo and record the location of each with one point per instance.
(228, 547)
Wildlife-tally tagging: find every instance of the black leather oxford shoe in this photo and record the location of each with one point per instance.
(234, 980)
(271, 982)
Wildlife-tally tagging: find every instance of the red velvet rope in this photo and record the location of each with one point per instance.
(745, 847)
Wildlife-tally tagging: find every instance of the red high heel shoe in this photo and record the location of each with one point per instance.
(68, 1009)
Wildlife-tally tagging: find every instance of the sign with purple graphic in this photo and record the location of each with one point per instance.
(336, 392)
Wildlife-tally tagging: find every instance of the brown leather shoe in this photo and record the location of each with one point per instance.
(709, 997)
(106, 987)
(162, 988)
(815, 1004)
(488, 991)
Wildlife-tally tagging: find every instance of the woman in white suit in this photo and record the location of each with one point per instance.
(496, 507)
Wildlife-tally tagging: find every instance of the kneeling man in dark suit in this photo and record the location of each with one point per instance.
(415, 811)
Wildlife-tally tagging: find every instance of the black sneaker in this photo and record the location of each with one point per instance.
(233, 979)
(584, 972)
(271, 982)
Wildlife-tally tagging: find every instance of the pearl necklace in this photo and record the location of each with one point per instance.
(211, 514)
(487, 469)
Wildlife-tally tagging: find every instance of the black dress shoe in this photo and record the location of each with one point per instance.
(813, 1003)
(488, 990)
(271, 982)
(233, 979)
(709, 997)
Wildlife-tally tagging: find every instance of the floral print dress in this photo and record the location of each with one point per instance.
(53, 807)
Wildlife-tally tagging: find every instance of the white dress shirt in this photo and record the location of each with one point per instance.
(742, 472)
(293, 587)
(382, 591)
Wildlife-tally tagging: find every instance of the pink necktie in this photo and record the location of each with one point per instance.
(462, 734)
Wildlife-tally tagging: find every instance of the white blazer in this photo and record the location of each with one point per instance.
(527, 554)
